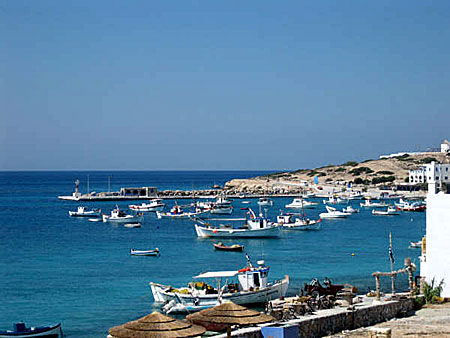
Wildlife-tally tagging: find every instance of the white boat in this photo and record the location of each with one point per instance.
(290, 222)
(391, 211)
(252, 288)
(221, 210)
(333, 213)
(370, 204)
(335, 200)
(21, 331)
(300, 203)
(132, 225)
(151, 252)
(153, 205)
(254, 227)
(83, 211)
(415, 245)
(222, 201)
(354, 195)
(309, 195)
(178, 213)
(350, 210)
(119, 216)
(265, 202)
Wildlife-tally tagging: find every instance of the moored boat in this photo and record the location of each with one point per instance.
(391, 211)
(417, 206)
(333, 213)
(151, 252)
(415, 245)
(21, 331)
(178, 213)
(370, 204)
(83, 211)
(222, 247)
(155, 204)
(119, 216)
(252, 288)
(265, 202)
(254, 227)
(350, 210)
(221, 210)
(300, 203)
(290, 222)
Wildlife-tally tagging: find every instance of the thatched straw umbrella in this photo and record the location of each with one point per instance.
(228, 314)
(156, 325)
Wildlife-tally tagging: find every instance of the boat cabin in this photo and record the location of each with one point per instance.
(118, 213)
(253, 278)
(250, 278)
(285, 219)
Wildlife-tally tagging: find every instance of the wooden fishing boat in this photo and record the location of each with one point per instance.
(83, 211)
(252, 287)
(223, 247)
(151, 252)
(21, 331)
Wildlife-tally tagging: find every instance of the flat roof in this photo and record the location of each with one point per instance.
(217, 274)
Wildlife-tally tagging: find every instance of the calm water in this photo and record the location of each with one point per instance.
(56, 268)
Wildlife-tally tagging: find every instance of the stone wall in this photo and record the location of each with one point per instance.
(327, 322)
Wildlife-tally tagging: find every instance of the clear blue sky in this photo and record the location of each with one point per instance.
(220, 84)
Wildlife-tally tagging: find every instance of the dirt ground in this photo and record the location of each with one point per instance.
(430, 321)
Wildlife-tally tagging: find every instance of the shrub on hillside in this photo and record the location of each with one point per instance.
(383, 179)
(360, 170)
(385, 172)
(350, 164)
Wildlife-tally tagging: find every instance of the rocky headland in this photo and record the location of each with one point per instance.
(369, 174)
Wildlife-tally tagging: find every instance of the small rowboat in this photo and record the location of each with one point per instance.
(21, 331)
(132, 225)
(153, 252)
(223, 247)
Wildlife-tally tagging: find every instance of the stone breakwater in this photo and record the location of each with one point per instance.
(327, 322)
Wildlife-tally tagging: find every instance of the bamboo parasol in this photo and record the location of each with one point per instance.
(156, 325)
(228, 314)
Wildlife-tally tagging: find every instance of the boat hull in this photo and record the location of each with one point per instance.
(185, 215)
(261, 296)
(146, 209)
(131, 219)
(144, 252)
(50, 332)
(204, 232)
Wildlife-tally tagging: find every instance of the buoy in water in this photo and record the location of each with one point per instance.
(353, 253)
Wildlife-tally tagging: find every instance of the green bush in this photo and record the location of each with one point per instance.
(407, 179)
(350, 164)
(316, 173)
(383, 179)
(340, 169)
(385, 172)
(428, 160)
(359, 180)
(432, 293)
(360, 170)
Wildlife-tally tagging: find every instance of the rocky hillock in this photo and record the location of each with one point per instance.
(367, 173)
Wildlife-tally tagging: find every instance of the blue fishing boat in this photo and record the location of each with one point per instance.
(21, 331)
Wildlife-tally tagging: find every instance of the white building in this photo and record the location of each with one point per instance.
(445, 146)
(440, 172)
(437, 173)
(435, 260)
(418, 176)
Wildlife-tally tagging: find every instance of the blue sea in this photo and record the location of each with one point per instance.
(55, 268)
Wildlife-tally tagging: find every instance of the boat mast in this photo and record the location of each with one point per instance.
(88, 184)
(109, 183)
